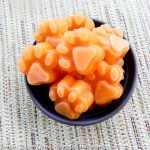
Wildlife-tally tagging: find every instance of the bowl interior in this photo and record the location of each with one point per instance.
(39, 95)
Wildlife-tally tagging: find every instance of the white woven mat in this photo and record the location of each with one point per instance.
(22, 126)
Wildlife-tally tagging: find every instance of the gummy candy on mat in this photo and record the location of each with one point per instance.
(111, 39)
(79, 52)
(72, 97)
(52, 30)
(39, 63)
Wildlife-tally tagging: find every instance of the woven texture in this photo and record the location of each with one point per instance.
(23, 126)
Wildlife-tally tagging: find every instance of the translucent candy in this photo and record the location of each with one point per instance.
(72, 97)
(105, 92)
(107, 76)
(79, 52)
(110, 73)
(111, 39)
(39, 63)
(52, 30)
(83, 63)
(78, 21)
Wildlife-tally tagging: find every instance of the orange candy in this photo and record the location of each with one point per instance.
(38, 62)
(72, 97)
(106, 92)
(78, 21)
(52, 30)
(110, 73)
(108, 85)
(79, 52)
(111, 39)
(83, 63)
(106, 80)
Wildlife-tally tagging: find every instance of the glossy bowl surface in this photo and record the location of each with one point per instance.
(39, 95)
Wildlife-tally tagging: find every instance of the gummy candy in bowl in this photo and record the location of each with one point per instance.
(40, 95)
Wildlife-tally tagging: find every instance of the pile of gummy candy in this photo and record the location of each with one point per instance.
(83, 63)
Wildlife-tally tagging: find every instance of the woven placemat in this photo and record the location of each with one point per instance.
(23, 126)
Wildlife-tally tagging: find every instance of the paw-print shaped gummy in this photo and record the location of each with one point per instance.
(39, 63)
(106, 92)
(52, 30)
(108, 87)
(110, 73)
(105, 83)
(111, 39)
(72, 97)
(79, 52)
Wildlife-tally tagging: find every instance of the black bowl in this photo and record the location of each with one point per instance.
(39, 95)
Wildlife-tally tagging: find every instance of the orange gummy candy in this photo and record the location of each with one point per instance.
(111, 39)
(38, 62)
(52, 30)
(79, 52)
(110, 73)
(108, 87)
(78, 21)
(72, 97)
(84, 63)
(106, 92)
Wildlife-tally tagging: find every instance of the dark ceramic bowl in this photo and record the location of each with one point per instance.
(39, 95)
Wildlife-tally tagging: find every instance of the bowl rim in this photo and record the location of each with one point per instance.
(90, 121)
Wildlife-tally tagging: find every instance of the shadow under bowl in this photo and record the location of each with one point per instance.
(39, 95)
